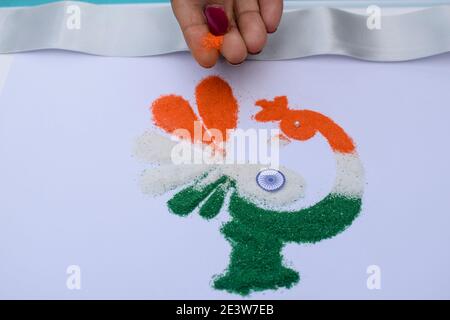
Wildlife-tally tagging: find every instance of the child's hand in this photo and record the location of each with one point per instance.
(249, 21)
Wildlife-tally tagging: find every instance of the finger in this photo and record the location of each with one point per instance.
(271, 11)
(251, 25)
(193, 24)
(233, 48)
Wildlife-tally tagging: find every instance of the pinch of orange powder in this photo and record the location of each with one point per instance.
(211, 41)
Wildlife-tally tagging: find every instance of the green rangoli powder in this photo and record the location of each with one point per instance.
(257, 236)
(214, 203)
(185, 201)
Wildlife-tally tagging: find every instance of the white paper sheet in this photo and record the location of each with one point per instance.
(70, 193)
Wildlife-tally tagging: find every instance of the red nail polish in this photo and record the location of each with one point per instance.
(216, 19)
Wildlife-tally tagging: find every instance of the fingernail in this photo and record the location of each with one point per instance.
(235, 64)
(273, 31)
(255, 53)
(217, 19)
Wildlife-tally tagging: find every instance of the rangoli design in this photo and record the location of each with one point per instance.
(259, 226)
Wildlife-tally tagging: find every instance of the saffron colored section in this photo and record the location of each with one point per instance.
(211, 41)
(304, 124)
(217, 105)
(172, 113)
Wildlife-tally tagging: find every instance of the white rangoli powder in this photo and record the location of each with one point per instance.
(349, 175)
(158, 180)
(154, 148)
(157, 149)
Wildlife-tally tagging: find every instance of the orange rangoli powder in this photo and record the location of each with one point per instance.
(304, 124)
(216, 104)
(172, 112)
(211, 41)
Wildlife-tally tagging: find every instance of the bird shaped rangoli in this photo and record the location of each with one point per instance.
(255, 197)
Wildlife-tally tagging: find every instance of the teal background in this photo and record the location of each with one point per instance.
(12, 3)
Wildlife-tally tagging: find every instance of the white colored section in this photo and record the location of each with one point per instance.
(154, 148)
(349, 175)
(245, 177)
(5, 63)
(158, 180)
(157, 149)
(213, 175)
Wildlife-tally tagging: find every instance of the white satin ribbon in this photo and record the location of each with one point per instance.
(149, 29)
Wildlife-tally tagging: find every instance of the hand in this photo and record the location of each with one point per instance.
(250, 21)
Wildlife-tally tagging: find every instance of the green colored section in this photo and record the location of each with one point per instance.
(257, 236)
(214, 203)
(321, 221)
(20, 3)
(185, 201)
(256, 262)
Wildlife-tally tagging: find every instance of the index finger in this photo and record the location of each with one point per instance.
(192, 22)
